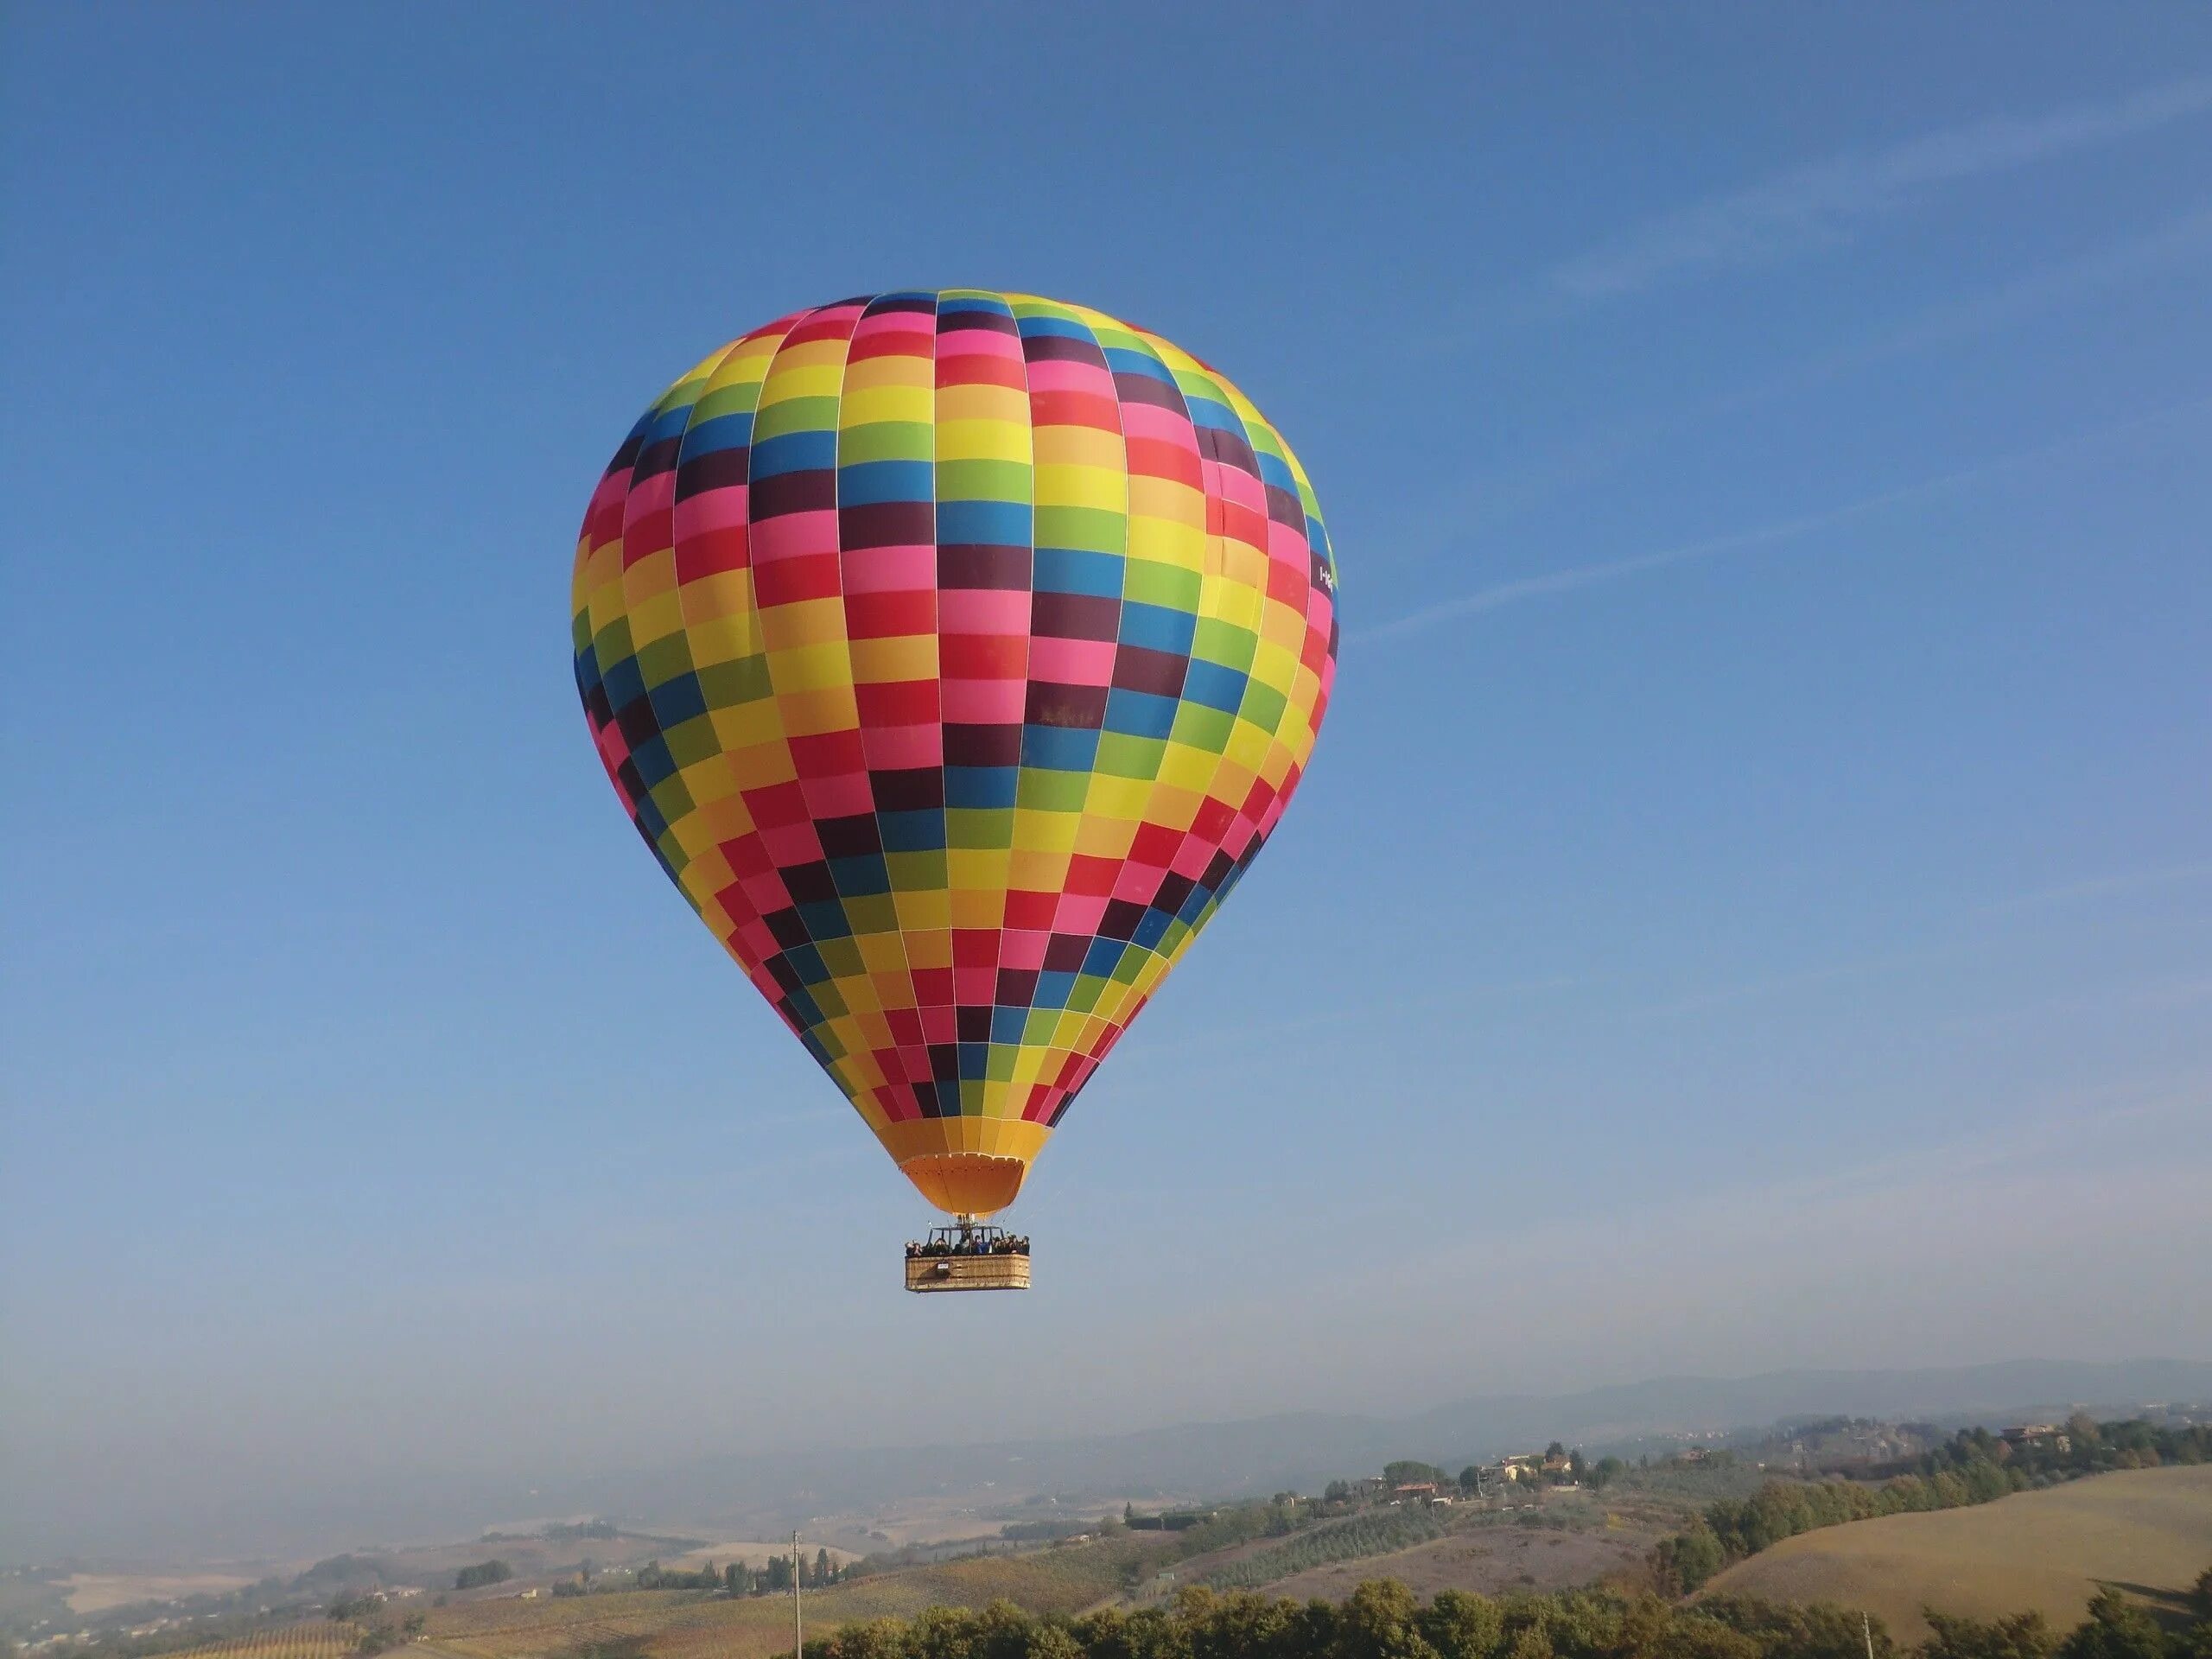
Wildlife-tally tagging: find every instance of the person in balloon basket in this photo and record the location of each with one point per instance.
(1004, 1244)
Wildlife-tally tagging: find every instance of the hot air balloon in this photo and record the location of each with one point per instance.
(955, 652)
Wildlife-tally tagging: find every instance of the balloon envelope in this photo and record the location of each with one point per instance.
(955, 652)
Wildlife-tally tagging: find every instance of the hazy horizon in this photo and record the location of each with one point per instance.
(1224, 1459)
(1750, 908)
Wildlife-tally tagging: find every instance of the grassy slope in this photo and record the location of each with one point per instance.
(2049, 1550)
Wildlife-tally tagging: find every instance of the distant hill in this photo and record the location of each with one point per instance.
(1985, 1394)
(764, 1495)
(1302, 1451)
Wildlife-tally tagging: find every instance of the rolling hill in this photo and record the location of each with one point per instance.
(2148, 1531)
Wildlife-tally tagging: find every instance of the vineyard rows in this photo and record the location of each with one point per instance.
(1349, 1540)
(317, 1639)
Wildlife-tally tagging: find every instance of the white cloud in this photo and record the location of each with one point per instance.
(2124, 883)
(1770, 535)
(1824, 203)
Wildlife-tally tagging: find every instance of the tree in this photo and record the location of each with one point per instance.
(492, 1572)
(2116, 1629)
(1818, 1630)
(1608, 1471)
(1555, 1450)
(943, 1633)
(1686, 1561)
(1471, 1478)
(1378, 1622)
(1462, 1625)
(1576, 1468)
(1708, 1638)
(822, 1571)
(2023, 1636)
(878, 1638)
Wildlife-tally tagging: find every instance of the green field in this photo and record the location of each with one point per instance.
(2149, 1531)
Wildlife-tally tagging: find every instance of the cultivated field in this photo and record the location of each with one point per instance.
(95, 1593)
(1491, 1562)
(1495, 1558)
(2146, 1530)
(686, 1624)
(313, 1640)
(1484, 1550)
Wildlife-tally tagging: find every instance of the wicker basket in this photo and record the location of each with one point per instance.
(967, 1273)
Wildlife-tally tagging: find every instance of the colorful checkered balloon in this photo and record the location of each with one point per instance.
(955, 654)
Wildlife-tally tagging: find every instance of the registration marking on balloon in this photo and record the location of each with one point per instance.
(955, 652)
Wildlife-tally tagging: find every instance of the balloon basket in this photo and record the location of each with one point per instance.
(968, 1256)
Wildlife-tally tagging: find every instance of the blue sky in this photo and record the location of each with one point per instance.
(1751, 905)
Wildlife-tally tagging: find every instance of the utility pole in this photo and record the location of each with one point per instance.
(798, 1637)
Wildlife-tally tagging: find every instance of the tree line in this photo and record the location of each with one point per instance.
(775, 1575)
(1384, 1620)
(771, 1578)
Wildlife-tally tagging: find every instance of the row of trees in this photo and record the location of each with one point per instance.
(2091, 1448)
(1384, 1620)
(771, 1578)
(818, 1575)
